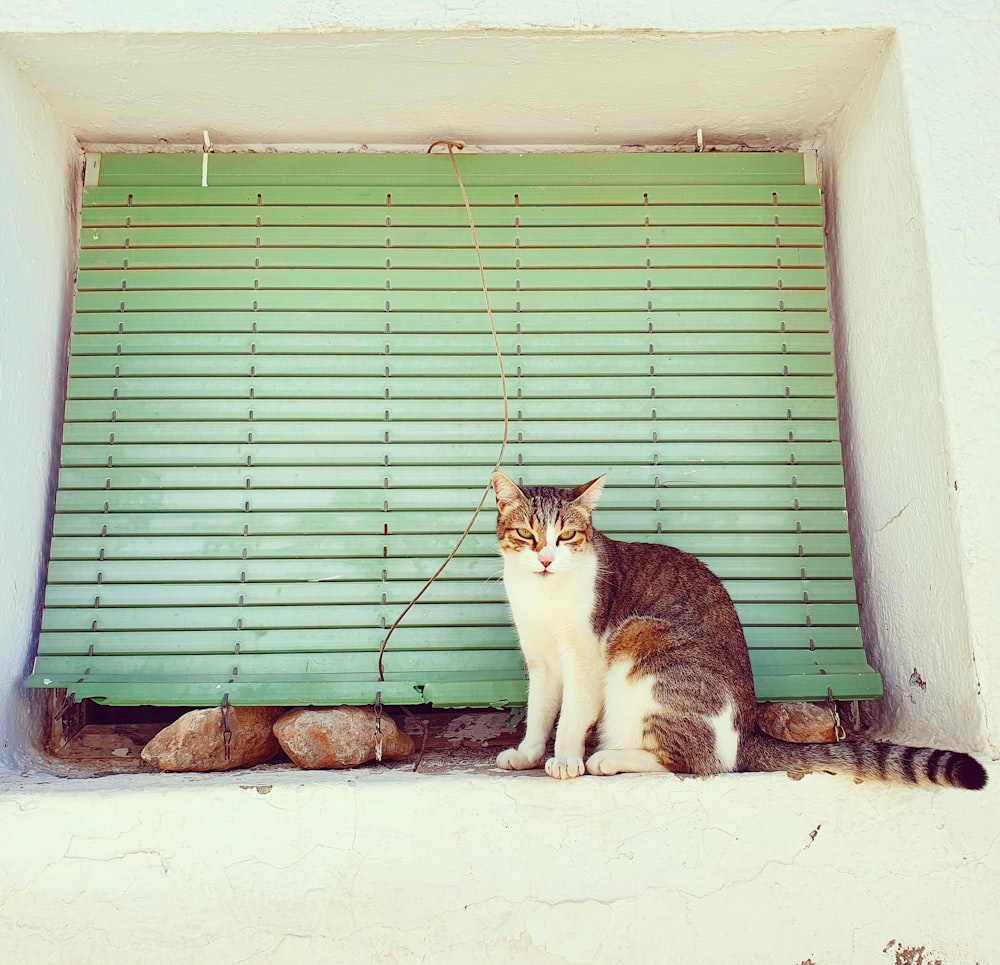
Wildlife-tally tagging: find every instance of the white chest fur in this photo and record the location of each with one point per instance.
(552, 611)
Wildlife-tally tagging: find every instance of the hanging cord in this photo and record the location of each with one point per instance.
(452, 146)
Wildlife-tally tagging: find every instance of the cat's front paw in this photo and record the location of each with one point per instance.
(564, 768)
(515, 759)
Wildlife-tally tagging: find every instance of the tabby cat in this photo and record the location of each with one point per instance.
(644, 640)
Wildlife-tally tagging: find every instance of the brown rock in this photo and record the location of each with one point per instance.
(801, 723)
(338, 737)
(196, 740)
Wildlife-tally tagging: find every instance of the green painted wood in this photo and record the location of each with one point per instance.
(459, 278)
(494, 664)
(418, 207)
(477, 641)
(525, 237)
(401, 664)
(444, 498)
(334, 688)
(403, 217)
(859, 685)
(263, 523)
(475, 646)
(176, 619)
(395, 300)
(482, 569)
(398, 592)
(283, 401)
(250, 256)
(743, 415)
(133, 171)
(480, 195)
(377, 545)
(372, 477)
(632, 321)
(204, 425)
(446, 452)
(405, 388)
(321, 689)
(393, 371)
(670, 348)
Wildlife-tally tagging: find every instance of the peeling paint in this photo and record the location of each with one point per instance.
(909, 955)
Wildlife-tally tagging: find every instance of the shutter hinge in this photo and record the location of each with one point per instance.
(227, 733)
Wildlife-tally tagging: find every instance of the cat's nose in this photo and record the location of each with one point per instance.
(546, 556)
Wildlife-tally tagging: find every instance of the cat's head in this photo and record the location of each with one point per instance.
(544, 529)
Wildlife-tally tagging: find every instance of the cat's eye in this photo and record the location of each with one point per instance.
(524, 533)
(567, 536)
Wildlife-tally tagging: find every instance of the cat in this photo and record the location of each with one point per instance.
(643, 640)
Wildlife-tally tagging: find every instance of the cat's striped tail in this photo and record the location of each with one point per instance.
(865, 760)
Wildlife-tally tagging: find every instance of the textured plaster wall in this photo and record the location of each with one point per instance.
(38, 159)
(494, 88)
(912, 195)
(904, 520)
(573, 15)
(956, 141)
(462, 869)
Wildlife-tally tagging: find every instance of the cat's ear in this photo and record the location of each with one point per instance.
(507, 491)
(588, 494)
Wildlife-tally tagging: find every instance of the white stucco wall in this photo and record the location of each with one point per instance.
(465, 868)
(953, 137)
(900, 99)
(906, 531)
(37, 240)
(913, 201)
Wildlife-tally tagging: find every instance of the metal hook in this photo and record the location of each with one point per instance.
(378, 725)
(209, 148)
(227, 732)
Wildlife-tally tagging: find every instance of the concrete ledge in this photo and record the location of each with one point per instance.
(385, 865)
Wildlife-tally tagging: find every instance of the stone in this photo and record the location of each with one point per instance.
(800, 723)
(196, 740)
(338, 737)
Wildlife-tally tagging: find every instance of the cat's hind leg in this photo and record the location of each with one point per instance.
(623, 760)
(628, 703)
(662, 702)
(645, 727)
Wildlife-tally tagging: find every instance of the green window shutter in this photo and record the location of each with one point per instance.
(283, 405)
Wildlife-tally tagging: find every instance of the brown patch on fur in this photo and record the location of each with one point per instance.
(639, 643)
